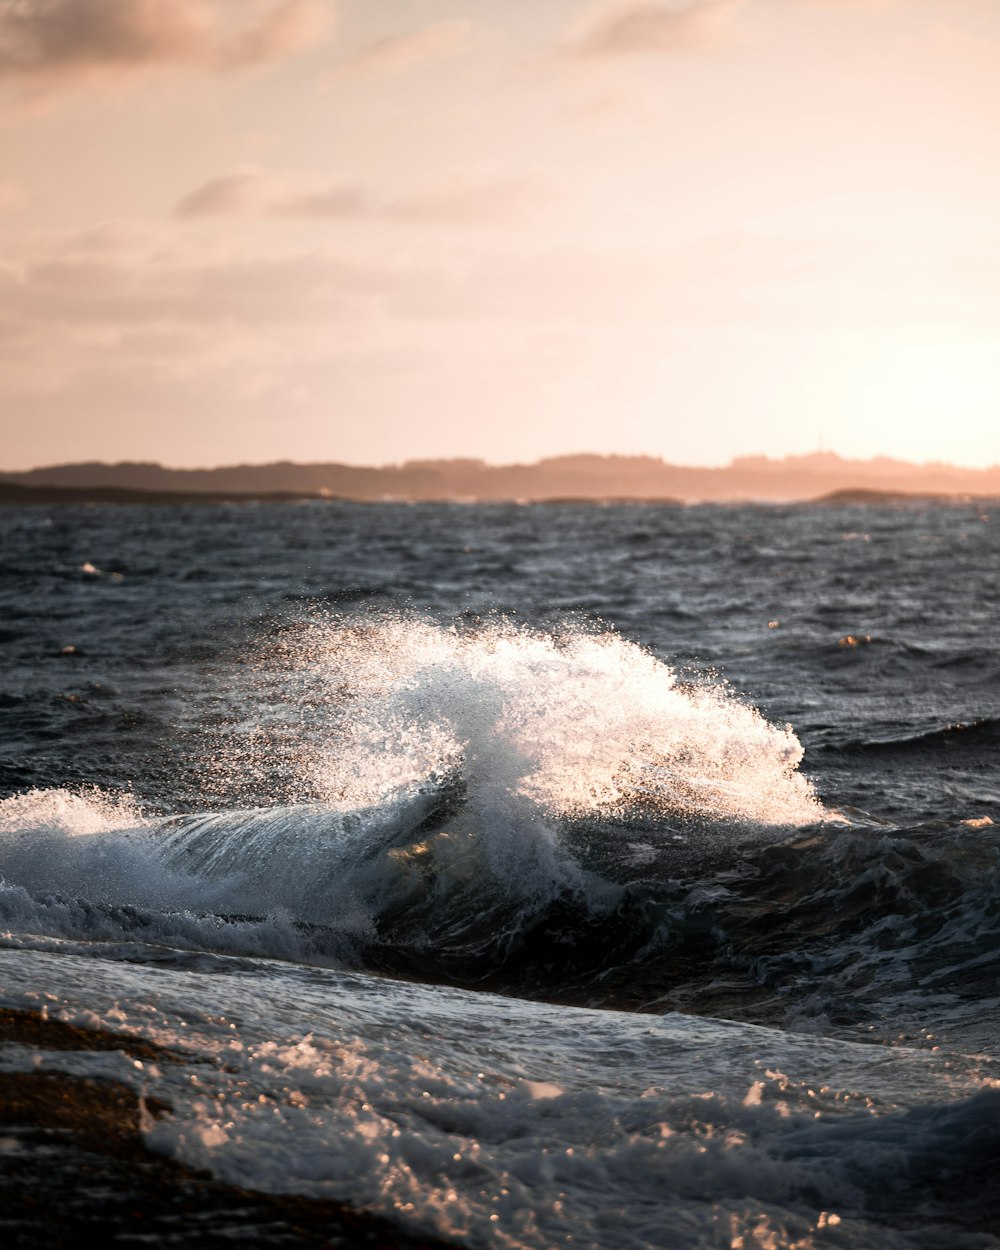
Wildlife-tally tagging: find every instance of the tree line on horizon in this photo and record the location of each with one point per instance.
(583, 476)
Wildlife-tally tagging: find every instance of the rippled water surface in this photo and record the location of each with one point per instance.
(607, 876)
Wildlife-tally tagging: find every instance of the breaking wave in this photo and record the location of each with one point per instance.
(533, 725)
(461, 791)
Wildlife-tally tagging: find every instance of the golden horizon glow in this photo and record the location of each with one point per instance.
(249, 230)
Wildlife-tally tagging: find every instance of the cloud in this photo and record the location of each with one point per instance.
(134, 328)
(394, 54)
(145, 331)
(232, 195)
(637, 27)
(253, 193)
(68, 40)
(105, 286)
(460, 200)
(284, 31)
(121, 300)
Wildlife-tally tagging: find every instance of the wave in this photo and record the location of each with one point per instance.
(835, 927)
(552, 815)
(982, 733)
(537, 724)
(406, 886)
(474, 793)
(487, 1122)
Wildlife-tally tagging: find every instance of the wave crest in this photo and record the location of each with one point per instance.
(573, 723)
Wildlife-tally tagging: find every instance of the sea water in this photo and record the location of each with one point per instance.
(531, 876)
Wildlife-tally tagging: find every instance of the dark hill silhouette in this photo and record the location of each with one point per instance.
(578, 477)
(15, 492)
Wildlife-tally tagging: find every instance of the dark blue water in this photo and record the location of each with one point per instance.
(731, 762)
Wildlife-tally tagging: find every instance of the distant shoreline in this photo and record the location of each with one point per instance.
(16, 495)
(11, 493)
(585, 478)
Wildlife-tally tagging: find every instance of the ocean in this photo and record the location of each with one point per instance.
(518, 876)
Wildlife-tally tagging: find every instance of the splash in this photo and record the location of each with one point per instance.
(453, 789)
(540, 725)
(69, 813)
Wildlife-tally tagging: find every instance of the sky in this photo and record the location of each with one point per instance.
(370, 231)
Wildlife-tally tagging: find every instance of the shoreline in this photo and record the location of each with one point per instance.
(16, 495)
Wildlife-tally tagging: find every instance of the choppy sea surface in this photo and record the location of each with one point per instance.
(533, 876)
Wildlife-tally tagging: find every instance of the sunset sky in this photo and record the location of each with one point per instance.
(377, 230)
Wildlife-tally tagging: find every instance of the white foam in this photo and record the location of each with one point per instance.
(501, 1123)
(573, 723)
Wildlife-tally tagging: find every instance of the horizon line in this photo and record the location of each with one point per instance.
(735, 461)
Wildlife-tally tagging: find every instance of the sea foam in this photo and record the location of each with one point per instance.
(576, 721)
